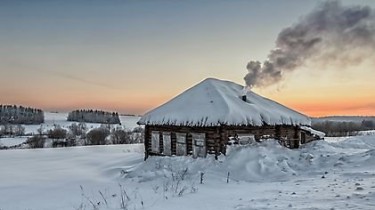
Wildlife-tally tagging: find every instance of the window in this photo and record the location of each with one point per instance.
(181, 144)
(155, 142)
(167, 150)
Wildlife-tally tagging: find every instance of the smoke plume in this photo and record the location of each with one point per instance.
(330, 33)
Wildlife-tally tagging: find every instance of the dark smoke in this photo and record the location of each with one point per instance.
(330, 33)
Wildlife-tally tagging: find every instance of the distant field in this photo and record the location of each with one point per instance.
(51, 119)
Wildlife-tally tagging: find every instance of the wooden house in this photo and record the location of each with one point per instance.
(214, 113)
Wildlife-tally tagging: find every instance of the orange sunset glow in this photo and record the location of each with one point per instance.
(113, 58)
(187, 104)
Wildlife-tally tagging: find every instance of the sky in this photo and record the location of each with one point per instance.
(132, 56)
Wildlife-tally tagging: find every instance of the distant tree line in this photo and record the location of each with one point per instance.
(94, 116)
(335, 128)
(12, 114)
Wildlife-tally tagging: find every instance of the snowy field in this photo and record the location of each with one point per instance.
(51, 119)
(335, 174)
(12, 141)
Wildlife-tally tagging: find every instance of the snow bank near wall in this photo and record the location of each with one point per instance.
(260, 161)
(266, 161)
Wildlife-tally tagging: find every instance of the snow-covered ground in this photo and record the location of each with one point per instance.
(335, 174)
(8, 142)
(51, 119)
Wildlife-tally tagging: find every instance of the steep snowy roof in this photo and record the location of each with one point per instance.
(216, 102)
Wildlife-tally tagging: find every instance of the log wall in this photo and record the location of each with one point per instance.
(217, 137)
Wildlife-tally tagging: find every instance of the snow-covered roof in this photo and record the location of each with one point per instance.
(215, 102)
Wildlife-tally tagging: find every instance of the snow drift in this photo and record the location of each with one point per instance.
(266, 161)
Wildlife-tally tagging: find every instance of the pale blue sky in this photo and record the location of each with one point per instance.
(112, 54)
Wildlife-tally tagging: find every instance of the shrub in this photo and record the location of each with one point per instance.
(19, 130)
(138, 135)
(57, 133)
(71, 142)
(36, 141)
(138, 129)
(78, 129)
(120, 136)
(97, 136)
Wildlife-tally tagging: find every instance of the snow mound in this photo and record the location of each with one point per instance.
(163, 167)
(265, 161)
(215, 102)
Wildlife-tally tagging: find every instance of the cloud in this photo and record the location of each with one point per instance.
(331, 33)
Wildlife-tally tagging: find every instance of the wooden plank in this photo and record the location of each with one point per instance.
(173, 143)
(146, 141)
(189, 144)
(217, 137)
